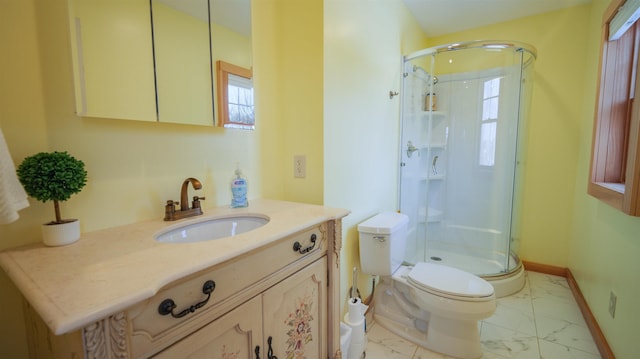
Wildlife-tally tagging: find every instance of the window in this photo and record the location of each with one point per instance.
(240, 96)
(615, 157)
(489, 123)
(235, 96)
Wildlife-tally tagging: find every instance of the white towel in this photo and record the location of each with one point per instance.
(12, 196)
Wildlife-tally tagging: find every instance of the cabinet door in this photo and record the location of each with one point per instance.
(295, 314)
(183, 62)
(233, 336)
(113, 59)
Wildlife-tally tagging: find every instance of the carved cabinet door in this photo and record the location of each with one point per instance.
(295, 315)
(236, 335)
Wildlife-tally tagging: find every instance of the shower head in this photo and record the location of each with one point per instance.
(433, 78)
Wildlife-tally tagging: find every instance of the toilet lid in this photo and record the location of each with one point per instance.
(451, 281)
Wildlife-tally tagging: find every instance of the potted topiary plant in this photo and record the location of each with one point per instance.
(54, 176)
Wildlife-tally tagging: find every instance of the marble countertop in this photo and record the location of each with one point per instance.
(109, 270)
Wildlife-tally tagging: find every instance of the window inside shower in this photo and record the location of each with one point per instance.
(489, 123)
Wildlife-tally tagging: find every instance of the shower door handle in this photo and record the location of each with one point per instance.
(433, 165)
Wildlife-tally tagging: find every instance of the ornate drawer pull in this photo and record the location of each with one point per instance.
(297, 247)
(270, 350)
(168, 305)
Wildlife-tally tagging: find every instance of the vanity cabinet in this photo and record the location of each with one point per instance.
(283, 296)
(292, 314)
(237, 334)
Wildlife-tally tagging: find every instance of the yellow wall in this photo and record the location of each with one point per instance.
(23, 123)
(555, 118)
(605, 243)
(288, 81)
(301, 74)
(363, 44)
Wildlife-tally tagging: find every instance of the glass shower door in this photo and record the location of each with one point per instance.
(423, 156)
(459, 158)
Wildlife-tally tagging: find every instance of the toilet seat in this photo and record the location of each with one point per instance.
(450, 282)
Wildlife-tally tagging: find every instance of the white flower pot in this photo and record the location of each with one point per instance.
(61, 234)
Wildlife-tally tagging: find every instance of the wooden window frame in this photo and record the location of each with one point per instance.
(615, 157)
(223, 70)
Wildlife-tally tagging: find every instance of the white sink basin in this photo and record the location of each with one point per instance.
(213, 228)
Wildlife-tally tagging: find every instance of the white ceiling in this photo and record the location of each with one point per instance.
(440, 17)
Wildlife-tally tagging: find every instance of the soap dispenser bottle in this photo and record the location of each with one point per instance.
(239, 190)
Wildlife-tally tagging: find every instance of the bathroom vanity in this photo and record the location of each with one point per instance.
(119, 293)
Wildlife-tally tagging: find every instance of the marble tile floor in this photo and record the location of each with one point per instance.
(540, 321)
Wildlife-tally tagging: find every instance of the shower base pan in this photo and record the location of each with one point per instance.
(504, 283)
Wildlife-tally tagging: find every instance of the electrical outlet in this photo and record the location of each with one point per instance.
(299, 166)
(613, 298)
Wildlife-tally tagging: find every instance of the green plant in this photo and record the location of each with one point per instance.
(52, 176)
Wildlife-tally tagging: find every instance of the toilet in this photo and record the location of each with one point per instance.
(432, 305)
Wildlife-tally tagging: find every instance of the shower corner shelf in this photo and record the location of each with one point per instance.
(435, 114)
(432, 177)
(436, 145)
(433, 216)
(439, 145)
(439, 176)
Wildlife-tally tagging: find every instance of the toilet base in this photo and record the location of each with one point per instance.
(395, 312)
(467, 349)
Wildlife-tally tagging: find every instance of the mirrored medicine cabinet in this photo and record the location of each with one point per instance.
(154, 60)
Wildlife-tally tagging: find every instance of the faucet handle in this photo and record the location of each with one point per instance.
(196, 201)
(169, 210)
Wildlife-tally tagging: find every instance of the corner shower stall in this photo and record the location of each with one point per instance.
(464, 110)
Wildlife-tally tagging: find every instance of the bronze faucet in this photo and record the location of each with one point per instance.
(170, 213)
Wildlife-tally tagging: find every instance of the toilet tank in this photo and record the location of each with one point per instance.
(383, 239)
